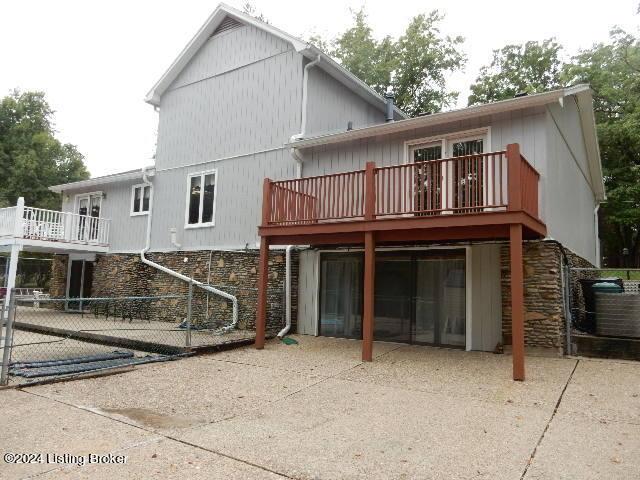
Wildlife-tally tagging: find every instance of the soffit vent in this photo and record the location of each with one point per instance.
(227, 24)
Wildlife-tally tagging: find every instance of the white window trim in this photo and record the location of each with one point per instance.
(78, 196)
(212, 223)
(447, 139)
(133, 196)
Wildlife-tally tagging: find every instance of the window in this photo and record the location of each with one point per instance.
(201, 199)
(140, 199)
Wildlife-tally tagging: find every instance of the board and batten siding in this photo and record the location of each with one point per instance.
(486, 296)
(126, 232)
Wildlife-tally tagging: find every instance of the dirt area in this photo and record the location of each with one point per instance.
(314, 410)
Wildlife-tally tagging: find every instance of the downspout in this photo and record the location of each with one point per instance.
(298, 158)
(157, 266)
(303, 121)
(287, 292)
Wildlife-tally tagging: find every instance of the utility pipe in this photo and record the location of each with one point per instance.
(146, 261)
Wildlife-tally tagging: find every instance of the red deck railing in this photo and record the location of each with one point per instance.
(487, 182)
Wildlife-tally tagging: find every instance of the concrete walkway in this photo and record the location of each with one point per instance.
(315, 411)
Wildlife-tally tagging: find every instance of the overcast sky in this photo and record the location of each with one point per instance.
(96, 60)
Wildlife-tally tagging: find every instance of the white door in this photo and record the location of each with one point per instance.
(88, 206)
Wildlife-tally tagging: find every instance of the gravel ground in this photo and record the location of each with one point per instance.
(313, 410)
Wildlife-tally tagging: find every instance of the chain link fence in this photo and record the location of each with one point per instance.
(52, 337)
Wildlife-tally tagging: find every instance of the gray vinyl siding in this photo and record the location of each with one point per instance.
(246, 110)
(126, 233)
(526, 127)
(238, 201)
(571, 220)
(308, 292)
(486, 297)
(331, 106)
(230, 50)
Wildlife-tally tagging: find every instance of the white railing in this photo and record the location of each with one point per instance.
(8, 221)
(53, 226)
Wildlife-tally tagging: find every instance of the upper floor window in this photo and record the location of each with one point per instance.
(201, 199)
(140, 199)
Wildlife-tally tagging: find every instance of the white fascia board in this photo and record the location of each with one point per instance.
(107, 179)
(441, 117)
(590, 135)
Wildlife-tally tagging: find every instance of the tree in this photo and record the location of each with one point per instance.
(250, 9)
(414, 67)
(613, 70)
(532, 67)
(31, 158)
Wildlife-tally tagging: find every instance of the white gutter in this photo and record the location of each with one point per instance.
(184, 278)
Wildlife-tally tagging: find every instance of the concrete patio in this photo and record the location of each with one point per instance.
(314, 410)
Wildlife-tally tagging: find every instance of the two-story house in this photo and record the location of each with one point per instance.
(301, 196)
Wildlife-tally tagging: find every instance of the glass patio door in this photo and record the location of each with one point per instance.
(420, 296)
(88, 206)
(467, 175)
(440, 301)
(341, 298)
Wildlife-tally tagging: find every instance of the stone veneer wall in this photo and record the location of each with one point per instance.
(58, 283)
(544, 319)
(232, 272)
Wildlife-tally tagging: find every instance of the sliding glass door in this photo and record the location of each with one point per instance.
(420, 296)
(440, 301)
(341, 295)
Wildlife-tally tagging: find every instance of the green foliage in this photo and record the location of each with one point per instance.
(31, 158)
(414, 67)
(532, 67)
(613, 70)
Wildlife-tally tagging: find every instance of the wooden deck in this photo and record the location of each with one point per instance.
(477, 197)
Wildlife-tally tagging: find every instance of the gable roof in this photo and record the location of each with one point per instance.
(221, 14)
(582, 93)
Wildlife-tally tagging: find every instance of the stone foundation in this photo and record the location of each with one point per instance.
(544, 319)
(58, 282)
(233, 272)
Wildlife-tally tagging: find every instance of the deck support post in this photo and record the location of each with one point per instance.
(369, 296)
(517, 301)
(263, 281)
